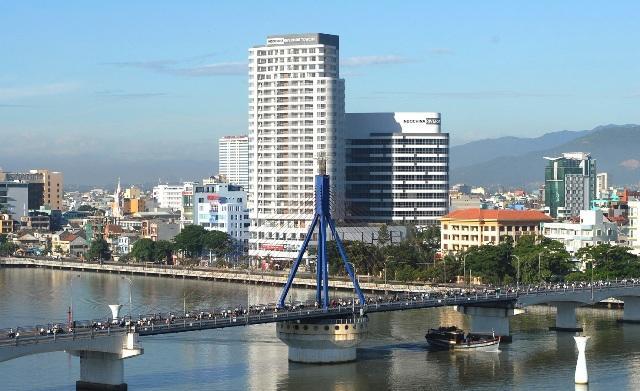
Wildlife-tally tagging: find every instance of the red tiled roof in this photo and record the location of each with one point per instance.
(498, 214)
(67, 236)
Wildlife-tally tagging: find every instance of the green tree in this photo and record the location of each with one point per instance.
(383, 235)
(99, 249)
(143, 250)
(163, 251)
(190, 240)
(219, 243)
(6, 246)
(494, 263)
(610, 261)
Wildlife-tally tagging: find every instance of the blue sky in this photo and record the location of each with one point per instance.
(113, 76)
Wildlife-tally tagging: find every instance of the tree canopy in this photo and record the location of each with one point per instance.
(194, 239)
(99, 249)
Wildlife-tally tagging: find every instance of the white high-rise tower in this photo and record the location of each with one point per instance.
(234, 159)
(296, 106)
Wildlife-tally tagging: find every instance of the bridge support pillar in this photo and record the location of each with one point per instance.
(101, 371)
(565, 316)
(631, 309)
(323, 341)
(488, 320)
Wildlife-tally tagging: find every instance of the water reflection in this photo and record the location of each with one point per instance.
(395, 355)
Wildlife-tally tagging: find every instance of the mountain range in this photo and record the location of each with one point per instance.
(519, 162)
(499, 162)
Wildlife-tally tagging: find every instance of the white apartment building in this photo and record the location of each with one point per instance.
(296, 105)
(233, 157)
(168, 196)
(397, 168)
(634, 226)
(593, 229)
(222, 207)
(602, 185)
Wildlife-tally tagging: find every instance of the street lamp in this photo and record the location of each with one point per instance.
(539, 269)
(70, 313)
(464, 269)
(355, 274)
(518, 275)
(130, 285)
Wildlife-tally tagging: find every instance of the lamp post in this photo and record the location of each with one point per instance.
(464, 269)
(355, 274)
(444, 269)
(539, 269)
(70, 313)
(518, 275)
(130, 301)
(592, 279)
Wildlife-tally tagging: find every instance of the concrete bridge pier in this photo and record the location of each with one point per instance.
(490, 320)
(631, 309)
(104, 369)
(323, 341)
(101, 371)
(565, 316)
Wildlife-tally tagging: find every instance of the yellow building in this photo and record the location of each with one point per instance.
(53, 187)
(6, 224)
(132, 192)
(465, 228)
(133, 205)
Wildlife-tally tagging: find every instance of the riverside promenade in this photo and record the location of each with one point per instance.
(214, 274)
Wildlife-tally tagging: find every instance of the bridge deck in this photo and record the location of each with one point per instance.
(31, 335)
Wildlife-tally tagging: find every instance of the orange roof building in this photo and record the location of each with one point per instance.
(465, 228)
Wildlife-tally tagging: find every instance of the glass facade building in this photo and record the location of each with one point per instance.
(570, 184)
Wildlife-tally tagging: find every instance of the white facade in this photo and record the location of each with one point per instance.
(602, 185)
(593, 229)
(396, 167)
(233, 157)
(634, 226)
(168, 196)
(222, 207)
(296, 104)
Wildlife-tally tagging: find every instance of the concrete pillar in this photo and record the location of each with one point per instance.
(565, 316)
(101, 371)
(581, 377)
(631, 309)
(323, 341)
(115, 310)
(488, 321)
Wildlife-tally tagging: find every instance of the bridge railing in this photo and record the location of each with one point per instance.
(32, 339)
(152, 325)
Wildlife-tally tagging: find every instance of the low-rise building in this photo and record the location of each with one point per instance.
(37, 221)
(223, 207)
(160, 230)
(68, 243)
(126, 241)
(592, 229)
(6, 224)
(465, 228)
(633, 232)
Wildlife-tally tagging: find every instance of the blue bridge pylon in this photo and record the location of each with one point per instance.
(322, 218)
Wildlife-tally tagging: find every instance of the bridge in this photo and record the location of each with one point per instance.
(323, 331)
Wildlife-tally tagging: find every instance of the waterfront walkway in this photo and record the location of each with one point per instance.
(230, 275)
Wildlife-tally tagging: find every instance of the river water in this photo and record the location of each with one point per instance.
(394, 356)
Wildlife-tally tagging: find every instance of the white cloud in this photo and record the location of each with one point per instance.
(360, 61)
(179, 68)
(8, 93)
(631, 164)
